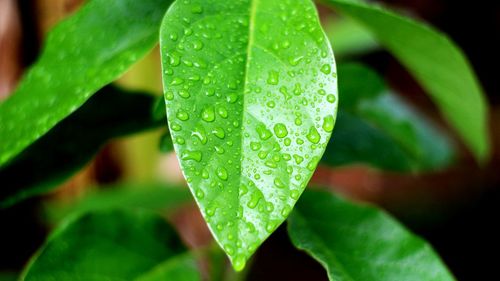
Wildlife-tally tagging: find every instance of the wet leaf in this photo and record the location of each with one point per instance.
(81, 55)
(355, 242)
(251, 97)
(436, 62)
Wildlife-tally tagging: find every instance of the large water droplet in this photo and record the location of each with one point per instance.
(328, 123)
(280, 130)
(208, 114)
(313, 135)
(222, 173)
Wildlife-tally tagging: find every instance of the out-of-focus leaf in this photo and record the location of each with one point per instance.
(182, 268)
(355, 242)
(106, 245)
(8, 276)
(82, 54)
(348, 37)
(152, 196)
(436, 62)
(251, 98)
(378, 128)
(68, 146)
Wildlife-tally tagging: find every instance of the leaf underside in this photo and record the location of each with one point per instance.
(361, 243)
(251, 95)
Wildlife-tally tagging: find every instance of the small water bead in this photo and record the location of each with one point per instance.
(176, 127)
(270, 164)
(271, 104)
(174, 59)
(280, 130)
(331, 98)
(208, 114)
(219, 132)
(222, 173)
(222, 111)
(263, 132)
(182, 115)
(177, 81)
(273, 78)
(199, 132)
(219, 149)
(288, 141)
(313, 135)
(328, 123)
(184, 94)
(326, 69)
(197, 45)
(239, 263)
(169, 95)
(254, 201)
(295, 194)
(278, 183)
(232, 98)
(255, 146)
(298, 159)
(191, 155)
(180, 140)
(200, 194)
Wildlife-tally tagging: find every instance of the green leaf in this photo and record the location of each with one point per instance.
(73, 142)
(251, 99)
(379, 128)
(82, 54)
(436, 62)
(355, 242)
(182, 268)
(349, 38)
(151, 196)
(107, 245)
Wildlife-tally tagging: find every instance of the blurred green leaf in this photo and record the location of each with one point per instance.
(68, 146)
(151, 196)
(355, 242)
(182, 268)
(251, 100)
(436, 62)
(378, 128)
(348, 37)
(108, 245)
(8, 276)
(82, 54)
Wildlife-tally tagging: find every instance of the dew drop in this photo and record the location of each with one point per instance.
(222, 173)
(182, 115)
(280, 130)
(219, 132)
(328, 123)
(313, 135)
(191, 155)
(208, 114)
(273, 78)
(331, 98)
(326, 69)
(263, 132)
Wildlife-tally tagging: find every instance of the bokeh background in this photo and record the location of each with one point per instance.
(457, 209)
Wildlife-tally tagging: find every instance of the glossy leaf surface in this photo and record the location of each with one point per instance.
(108, 245)
(81, 55)
(379, 128)
(73, 142)
(355, 242)
(436, 62)
(251, 97)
